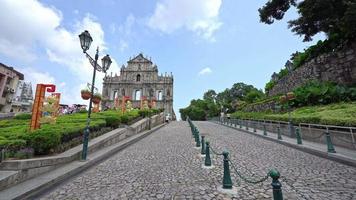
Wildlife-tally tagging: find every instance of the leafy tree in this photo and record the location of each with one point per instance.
(212, 103)
(328, 16)
(210, 95)
(254, 95)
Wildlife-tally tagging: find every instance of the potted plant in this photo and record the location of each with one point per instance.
(96, 98)
(283, 98)
(85, 94)
(290, 96)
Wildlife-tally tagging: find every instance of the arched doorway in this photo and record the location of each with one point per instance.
(137, 95)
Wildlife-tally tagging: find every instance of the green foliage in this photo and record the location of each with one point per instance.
(321, 47)
(253, 96)
(210, 95)
(299, 58)
(97, 95)
(15, 134)
(228, 100)
(340, 114)
(23, 116)
(148, 112)
(315, 16)
(113, 121)
(44, 141)
(316, 93)
(270, 85)
(200, 110)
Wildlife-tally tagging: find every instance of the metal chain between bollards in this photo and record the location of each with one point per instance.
(214, 152)
(246, 179)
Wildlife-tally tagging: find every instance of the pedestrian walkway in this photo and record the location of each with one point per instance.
(165, 165)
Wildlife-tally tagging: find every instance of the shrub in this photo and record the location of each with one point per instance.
(113, 121)
(124, 119)
(15, 134)
(12, 144)
(316, 93)
(43, 141)
(340, 114)
(270, 85)
(23, 116)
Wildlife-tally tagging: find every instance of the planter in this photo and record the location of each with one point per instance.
(96, 100)
(283, 99)
(290, 95)
(86, 95)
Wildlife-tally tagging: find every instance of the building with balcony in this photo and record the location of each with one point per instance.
(9, 79)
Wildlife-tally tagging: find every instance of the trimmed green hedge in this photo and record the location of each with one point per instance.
(340, 114)
(15, 134)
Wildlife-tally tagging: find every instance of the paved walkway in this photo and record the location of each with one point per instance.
(165, 165)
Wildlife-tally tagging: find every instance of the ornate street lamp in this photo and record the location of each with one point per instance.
(85, 41)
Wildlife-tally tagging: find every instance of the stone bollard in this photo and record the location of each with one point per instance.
(264, 129)
(196, 136)
(240, 123)
(254, 127)
(246, 125)
(299, 138)
(198, 140)
(2, 155)
(202, 145)
(329, 143)
(276, 185)
(279, 135)
(207, 161)
(227, 183)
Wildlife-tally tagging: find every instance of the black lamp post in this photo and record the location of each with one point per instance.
(85, 41)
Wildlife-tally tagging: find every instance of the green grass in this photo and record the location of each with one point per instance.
(341, 114)
(15, 133)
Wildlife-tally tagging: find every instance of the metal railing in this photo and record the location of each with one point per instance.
(342, 136)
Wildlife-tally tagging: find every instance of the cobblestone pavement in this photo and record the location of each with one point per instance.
(164, 165)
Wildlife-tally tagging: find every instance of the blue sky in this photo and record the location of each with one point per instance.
(207, 44)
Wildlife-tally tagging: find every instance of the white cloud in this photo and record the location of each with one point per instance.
(36, 77)
(124, 31)
(126, 28)
(29, 24)
(205, 71)
(123, 45)
(199, 16)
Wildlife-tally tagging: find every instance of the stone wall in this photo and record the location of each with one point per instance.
(261, 107)
(338, 66)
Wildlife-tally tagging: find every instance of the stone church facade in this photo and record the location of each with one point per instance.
(139, 79)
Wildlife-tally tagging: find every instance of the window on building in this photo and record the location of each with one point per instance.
(8, 80)
(168, 92)
(138, 77)
(159, 96)
(114, 95)
(123, 92)
(137, 95)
